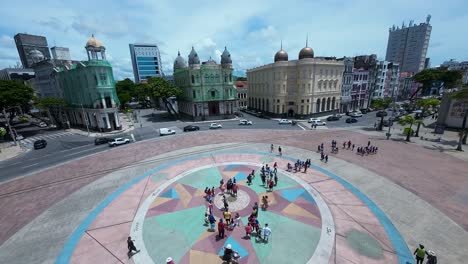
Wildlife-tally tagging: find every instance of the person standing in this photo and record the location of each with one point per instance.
(131, 247)
(237, 220)
(326, 158)
(420, 253)
(280, 151)
(270, 185)
(271, 148)
(276, 179)
(169, 260)
(266, 233)
(352, 149)
(212, 220)
(227, 217)
(221, 229)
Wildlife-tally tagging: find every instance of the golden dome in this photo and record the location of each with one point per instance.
(93, 42)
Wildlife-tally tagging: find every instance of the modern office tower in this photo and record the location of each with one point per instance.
(60, 53)
(407, 46)
(30, 48)
(146, 61)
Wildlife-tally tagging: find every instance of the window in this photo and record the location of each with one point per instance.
(193, 79)
(320, 84)
(213, 94)
(194, 94)
(302, 101)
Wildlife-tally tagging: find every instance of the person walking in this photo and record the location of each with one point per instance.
(420, 253)
(237, 220)
(271, 148)
(276, 179)
(131, 247)
(248, 230)
(221, 227)
(322, 156)
(227, 217)
(212, 220)
(326, 158)
(280, 151)
(352, 149)
(270, 185)
(266, 233)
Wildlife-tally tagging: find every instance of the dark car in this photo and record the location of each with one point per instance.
(364, 110)
(41, 143)
(351, 120)
(381, 113)
(333, 118)
(99, 141)
(191, 128)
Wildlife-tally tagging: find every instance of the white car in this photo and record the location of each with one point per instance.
(318, 123)
(284, 121)
(42, 124)
(312, 120)
(245, 122)
(118, 141)
(356, 114)
(166, 131)
(215, 126)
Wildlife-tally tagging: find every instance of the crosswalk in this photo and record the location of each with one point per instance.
(31, 140)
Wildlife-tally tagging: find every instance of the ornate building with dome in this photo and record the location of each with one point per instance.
(208, 87)
(89, 90)
(308, 86)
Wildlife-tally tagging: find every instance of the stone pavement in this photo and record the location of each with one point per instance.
(8, 151)
(53, 203)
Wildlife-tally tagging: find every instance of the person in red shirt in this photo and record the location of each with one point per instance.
(248, 231)
(221, 227)
(271, 184)
(234, 189)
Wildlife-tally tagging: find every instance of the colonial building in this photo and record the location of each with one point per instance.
(208, 88)
(347, 85)
(242, 93)
(308, 86)
(89, 90)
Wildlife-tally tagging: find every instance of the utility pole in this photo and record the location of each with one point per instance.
(9, 127)
(85, 119)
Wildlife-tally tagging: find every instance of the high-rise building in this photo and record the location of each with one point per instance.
(347, 84)
(31, 49)
(208, 87)
(407, 45)
(308, 86)
(146, 61)
(60, 53)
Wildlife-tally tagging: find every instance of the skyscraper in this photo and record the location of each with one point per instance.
(31, 49)
(146, 61)
(407, 45)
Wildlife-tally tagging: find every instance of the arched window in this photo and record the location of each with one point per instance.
(333, 103)
(317, 106)
(328, 103)
(230, 77)
(323, 104)
(193, 78)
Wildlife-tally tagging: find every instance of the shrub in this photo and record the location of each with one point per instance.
(23, 118)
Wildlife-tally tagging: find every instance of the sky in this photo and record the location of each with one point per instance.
(252, 30)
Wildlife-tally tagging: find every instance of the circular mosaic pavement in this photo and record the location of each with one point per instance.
(174, 214)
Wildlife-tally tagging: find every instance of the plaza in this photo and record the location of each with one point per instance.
(353, 209)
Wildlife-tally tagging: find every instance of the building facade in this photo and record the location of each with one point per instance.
(408, 45)
(89, 90)
(406, 86)
(386, 80)
(346, 85)
(360, 90)
(208, 88)
(242, 88)
(28, 47)
(146, 61)
(16, 74)
(60, 53)
(308, 86)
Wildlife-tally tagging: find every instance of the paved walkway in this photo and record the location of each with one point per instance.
(436, 192)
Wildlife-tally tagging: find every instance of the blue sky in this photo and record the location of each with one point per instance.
(251, 30)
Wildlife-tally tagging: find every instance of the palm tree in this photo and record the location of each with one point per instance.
(381, 104)
(462, 95)
(409, 120)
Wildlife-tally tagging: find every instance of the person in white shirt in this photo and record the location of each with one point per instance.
(266, 233)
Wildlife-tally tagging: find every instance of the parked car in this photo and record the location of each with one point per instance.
(215, 126)
(104, 140)
(381, 113)
(364, 110)
(351, 120)
(311, 120)
(319, 123)
(191, 128)
(356, 114)
(333, 118)
(166, 131)
(284, 122)
(42, 124)
(245, 122)
(118, 141)
(39, 144)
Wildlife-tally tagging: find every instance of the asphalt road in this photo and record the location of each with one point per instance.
(64, 146)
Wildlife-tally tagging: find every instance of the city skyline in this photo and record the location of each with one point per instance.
(251, 31)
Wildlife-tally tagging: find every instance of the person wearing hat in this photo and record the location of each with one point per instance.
(420, 253)
(169, 260)
(227, 253)
(431, 257)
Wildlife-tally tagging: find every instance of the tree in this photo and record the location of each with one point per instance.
(125, 91)
(426, 77)
(463, 96)
(2, 132)
(425, 104)
(14, 94)
(451, 79)
(53, 103)
(381, 103)
(409, 120)
(159, 88)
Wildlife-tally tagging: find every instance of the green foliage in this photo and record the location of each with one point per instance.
(50, 102)
(126, 89)
(2, 132)
(451, 79)
(408, 130)
(425, 104)
(23, 118)
(13, 93)
(462, 94)
(241, 79)
(160, 88)
(381, 103)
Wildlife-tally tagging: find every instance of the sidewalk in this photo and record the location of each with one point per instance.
(126, 123)
(8, 150)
